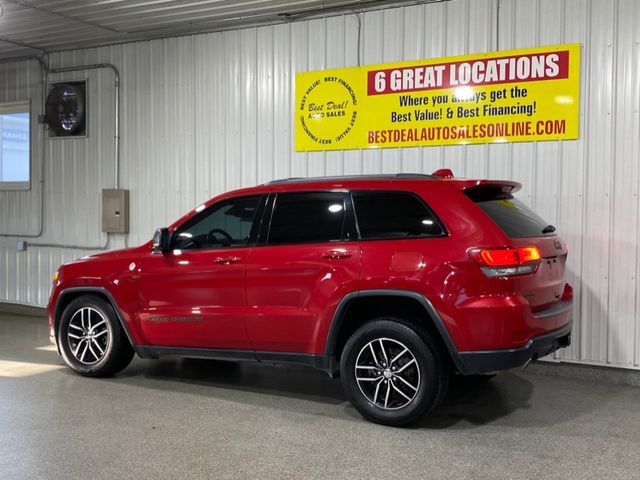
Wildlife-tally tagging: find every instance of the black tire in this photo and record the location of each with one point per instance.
(430, 373)
(84, 355)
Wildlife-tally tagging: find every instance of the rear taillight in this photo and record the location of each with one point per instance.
(501, 262)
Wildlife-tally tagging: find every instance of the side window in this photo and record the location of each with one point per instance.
(307, 217)
(225, 224)
(393, 214)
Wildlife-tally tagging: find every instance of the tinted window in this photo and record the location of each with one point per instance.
(512, 216)
(307, 217)
(225, 224)
(391, 214)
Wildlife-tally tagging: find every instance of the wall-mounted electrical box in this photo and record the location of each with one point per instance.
(115, 210)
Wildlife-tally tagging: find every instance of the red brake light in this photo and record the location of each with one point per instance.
(507, 261)
(508, 257)
(499, 258)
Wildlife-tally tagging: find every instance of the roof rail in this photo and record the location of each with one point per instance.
(383, 176)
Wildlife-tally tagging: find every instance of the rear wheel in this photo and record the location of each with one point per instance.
(91, 339)
(392, 372)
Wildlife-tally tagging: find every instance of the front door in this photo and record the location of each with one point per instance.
(194, 295)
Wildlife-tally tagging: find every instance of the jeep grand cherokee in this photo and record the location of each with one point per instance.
(391, 281)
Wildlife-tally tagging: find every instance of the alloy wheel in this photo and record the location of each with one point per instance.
(387, 373)
(89, 335)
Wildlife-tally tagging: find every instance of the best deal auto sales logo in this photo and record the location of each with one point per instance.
(328, 110)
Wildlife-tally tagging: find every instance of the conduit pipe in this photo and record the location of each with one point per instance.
(45, 72)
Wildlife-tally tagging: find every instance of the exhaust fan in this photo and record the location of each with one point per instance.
(66, 109)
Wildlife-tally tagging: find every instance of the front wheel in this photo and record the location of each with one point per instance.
(392, 372)
(91, 339)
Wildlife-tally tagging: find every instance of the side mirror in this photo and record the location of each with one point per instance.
(161, 240)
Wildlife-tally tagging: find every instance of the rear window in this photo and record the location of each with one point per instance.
(510, 214)
(393, 214)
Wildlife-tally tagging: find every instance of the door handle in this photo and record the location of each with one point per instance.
(227, 260)
(336, 254)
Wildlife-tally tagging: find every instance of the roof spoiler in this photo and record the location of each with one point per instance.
(443, 173)
(505, 186)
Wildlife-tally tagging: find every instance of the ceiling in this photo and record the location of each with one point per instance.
(38, 26)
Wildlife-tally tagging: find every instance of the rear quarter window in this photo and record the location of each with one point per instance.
(393, 214)
(514, 218)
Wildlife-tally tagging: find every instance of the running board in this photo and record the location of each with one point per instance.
(326, 363)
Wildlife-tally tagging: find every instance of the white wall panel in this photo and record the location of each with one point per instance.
(623, 283)
(207, 113)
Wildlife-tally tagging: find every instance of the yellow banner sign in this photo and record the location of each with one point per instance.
(508, 96)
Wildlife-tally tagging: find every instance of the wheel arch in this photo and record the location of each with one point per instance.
(67, 295)
(364, 303)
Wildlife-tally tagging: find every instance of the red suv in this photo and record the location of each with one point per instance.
(393, 281)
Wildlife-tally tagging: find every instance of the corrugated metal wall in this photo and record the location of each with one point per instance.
(207, 113)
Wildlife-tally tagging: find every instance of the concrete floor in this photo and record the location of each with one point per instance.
(203, 419)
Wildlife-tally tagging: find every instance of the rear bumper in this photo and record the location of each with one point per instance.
(485, 361)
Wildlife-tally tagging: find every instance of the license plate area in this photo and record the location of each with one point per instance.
(551, 268)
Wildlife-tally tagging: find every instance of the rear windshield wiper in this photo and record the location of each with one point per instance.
(549, 229)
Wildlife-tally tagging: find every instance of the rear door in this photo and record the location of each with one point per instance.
(401, 239)
(525, 228)
(309, 260)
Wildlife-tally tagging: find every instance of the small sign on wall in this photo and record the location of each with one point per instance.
(507, 96)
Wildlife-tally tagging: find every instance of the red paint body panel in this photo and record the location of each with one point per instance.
(187, 299)
(283, 298)
(110, 271)
(292, 292)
